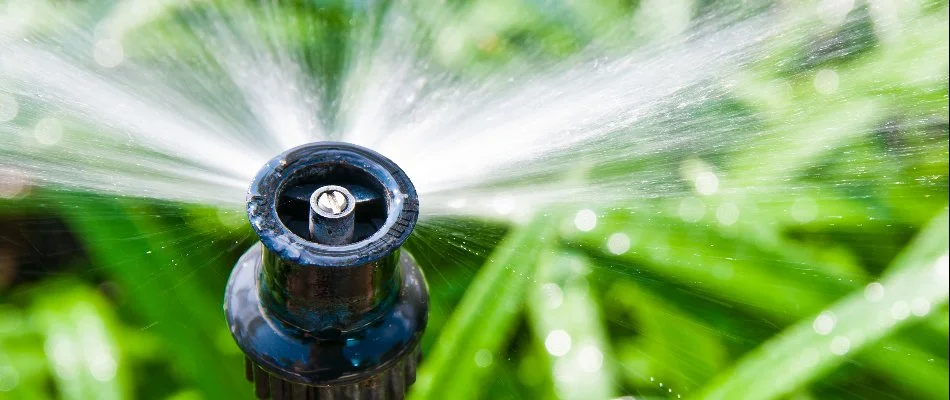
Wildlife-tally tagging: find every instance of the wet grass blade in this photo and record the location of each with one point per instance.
(672, 352)
(755, 279)
(484, 319)
(568, 320)
(150, 259)
(81, 342)
(741, 272)
(916, 284)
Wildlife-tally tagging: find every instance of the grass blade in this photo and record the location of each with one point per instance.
(484, 319)
(563, 308)
(81, 342)
(150, 259)
(799, 355)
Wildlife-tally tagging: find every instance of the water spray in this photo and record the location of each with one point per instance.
(327, 305)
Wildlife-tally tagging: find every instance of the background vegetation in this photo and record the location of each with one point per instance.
(824, 278)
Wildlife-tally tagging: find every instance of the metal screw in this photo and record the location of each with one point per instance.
(333, 202)
(332, 215)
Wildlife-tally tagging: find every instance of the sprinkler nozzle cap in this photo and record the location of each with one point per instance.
(332, 201)
(332, 215)
(379, 202)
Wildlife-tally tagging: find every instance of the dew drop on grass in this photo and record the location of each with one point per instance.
(920, 307)
(108, 53)
(553, 295)
(826, 81)
(825, 323)
(558, 343)
(585, 220)
(483, 358)
(590, 358)
(48, 131)
(840, 345)
(707, 183)
(900, 310)
(727, 213)
(618, 243)
(874, 292)
(692, 209)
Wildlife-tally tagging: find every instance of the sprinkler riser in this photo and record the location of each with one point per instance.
(322, 315)
(378, 354)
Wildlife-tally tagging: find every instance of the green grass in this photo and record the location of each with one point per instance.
(823, 199)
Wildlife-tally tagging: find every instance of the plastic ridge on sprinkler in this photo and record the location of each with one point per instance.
(327, 305)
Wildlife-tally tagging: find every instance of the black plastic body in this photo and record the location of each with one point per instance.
(323, 321)
(389, 335)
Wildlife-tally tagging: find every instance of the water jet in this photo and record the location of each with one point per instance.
(327, 305)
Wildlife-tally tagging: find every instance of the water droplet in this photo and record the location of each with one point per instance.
(62, 351)
(707, 183)
(483, 358)
(553, 295)
(108, 53)
(825, 323)
(49, 131)
(920, 306)
(590, 358)
(13, 183)
(727, 213)
(585, 220)
(804, 210)
(9, 378)
(618, 243)
(900, 310)
(840, 345)
(103, 366)
(558, 343)
(692, 209)
(874, 292)
(451, 43)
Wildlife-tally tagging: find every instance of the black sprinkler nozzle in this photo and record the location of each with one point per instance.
(327, 305)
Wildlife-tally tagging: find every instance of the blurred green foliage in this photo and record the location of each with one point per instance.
(707, 296)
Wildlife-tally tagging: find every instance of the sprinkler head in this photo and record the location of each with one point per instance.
(328, 305)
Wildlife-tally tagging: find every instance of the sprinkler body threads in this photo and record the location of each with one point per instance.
(327, 305)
